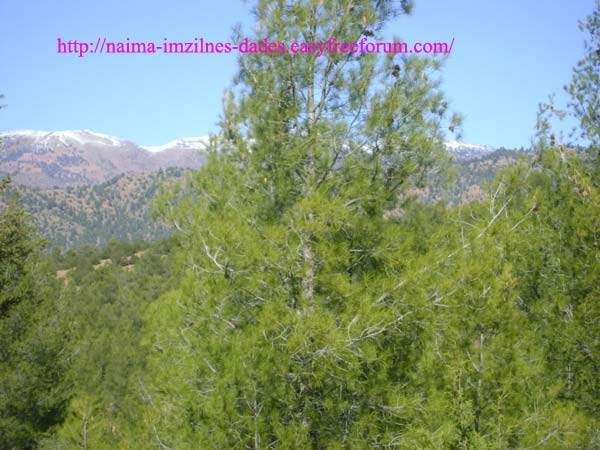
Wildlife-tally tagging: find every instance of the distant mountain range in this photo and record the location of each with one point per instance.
(45, 159)
(84, 187)
(57, 159)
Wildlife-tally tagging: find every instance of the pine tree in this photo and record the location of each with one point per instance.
(290, 329)
(32, 396)
(585, 86)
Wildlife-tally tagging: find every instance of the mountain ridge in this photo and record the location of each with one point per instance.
(49, 159)
(119, 207)
(43, 159)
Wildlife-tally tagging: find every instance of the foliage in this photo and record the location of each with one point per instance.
(32, 399)
(308, 298)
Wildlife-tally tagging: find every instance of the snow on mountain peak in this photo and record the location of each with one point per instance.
(462, 150)
(72, 157)
(85, 137)
(453, 145)
(80, 136)
(188, 143)
(88, 137)
(28, 133)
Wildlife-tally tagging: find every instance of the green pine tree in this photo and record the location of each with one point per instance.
(289, 329)
(32, 392)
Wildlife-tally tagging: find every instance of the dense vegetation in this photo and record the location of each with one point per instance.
(307, 299)
(121, 207)
(116, 209)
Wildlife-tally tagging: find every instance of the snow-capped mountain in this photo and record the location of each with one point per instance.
(80, 136)
(62, 158)
(464, 151)
(191, 143)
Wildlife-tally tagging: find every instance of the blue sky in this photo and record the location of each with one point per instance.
(508, 56)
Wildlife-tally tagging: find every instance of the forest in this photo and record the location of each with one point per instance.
(307, 300)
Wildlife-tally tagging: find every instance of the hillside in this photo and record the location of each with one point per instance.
(120, 208)
(470, 177)
(116, 209)
(474, 175)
